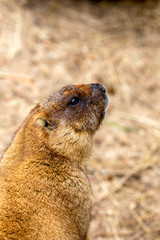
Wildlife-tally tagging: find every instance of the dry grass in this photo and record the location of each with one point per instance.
(46, 44)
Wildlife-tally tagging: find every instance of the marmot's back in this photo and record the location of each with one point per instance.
(44, 189)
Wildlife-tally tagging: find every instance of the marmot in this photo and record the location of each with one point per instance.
(45, 193)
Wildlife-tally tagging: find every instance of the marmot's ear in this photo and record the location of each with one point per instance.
(45, 123)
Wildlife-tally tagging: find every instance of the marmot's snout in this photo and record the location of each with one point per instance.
(100, 88)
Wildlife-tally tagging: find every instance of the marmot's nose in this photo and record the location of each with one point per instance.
(99, 87)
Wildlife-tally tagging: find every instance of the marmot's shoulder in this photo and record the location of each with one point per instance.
(45, 192)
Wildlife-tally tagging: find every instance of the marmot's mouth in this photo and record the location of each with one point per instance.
(106, 102)
(103, 115)
(106, 105)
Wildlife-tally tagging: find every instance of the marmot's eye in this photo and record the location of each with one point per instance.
(74, 101)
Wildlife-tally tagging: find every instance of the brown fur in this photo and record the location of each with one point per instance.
(44, 189)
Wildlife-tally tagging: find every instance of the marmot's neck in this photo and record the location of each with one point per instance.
(26, 146)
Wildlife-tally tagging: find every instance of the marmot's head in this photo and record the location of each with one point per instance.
(71, 115)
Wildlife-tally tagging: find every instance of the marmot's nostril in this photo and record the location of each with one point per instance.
(99, 87)
(102, 88)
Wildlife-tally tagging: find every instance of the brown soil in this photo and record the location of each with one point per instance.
(47, 44)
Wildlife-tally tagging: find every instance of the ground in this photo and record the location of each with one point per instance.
(47, 44)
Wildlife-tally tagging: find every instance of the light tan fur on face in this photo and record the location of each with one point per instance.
(45, 193)
(77, 144)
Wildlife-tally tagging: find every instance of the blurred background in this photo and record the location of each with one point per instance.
(45, 45)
